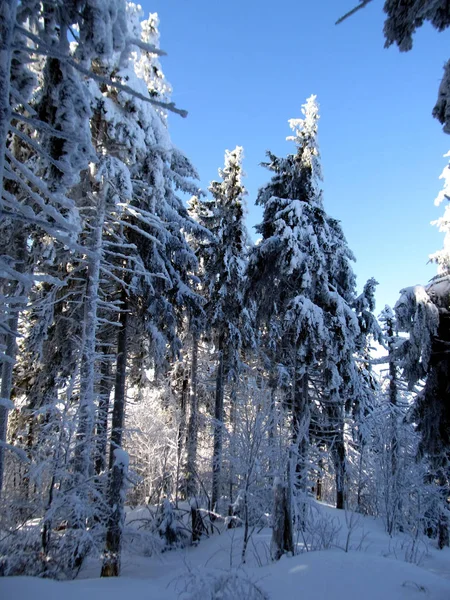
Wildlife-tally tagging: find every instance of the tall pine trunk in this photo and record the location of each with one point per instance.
(181, 430)
(232, 450)
(272, 429)
(192, 435)
(12, 310)
(104, 392)
(218, 429)
(301, 420)
(339, 460)
(337, 449)
(393, 397)
(319, 480)
(8, 12)
(6, 386)
(111, 562)
(86, 411)
(282, 535)
(393, 401)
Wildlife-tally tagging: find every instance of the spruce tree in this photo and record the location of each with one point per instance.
(301, 278)
(224, 267)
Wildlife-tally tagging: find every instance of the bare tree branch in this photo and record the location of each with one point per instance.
(353, 11)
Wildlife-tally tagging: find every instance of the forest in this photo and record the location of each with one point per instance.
(166, 381)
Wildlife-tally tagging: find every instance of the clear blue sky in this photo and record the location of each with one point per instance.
(242, 69)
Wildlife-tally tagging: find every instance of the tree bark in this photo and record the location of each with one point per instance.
(105, 387)
(111, 563)
(319, 480)
(338, 452)
(301, 419)
(192, 437)
(272, 429)
(12, 323)
(8, 12)
(393, 397)
(120, 382)
(6, 388)
(337, 449)
(218, 429)
(232, 451)
(282, 535)
(197, 522)
(86, 411)
(181, 430)
(393, 400)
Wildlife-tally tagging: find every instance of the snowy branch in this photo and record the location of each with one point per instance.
(41, 125)
(45, 50)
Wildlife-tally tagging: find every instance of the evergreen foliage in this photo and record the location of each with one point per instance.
(151, 355)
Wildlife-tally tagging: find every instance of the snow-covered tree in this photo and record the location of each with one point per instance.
(301, 278)
(103, 248)
(421, 313)
(155, 224)
(223, 270)
(47, 109)
(394, 413)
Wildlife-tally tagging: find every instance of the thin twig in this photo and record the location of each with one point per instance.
(353, 11)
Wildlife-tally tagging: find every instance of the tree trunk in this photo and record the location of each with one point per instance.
(111, 563)
(443, 533)
(282, 535)
(337, 449)
(197, 522)
(393, 397)
(218, 429)
(192, 437)
(86, 411)
(338, 453)
(13, 309)
(301, 419)
(8, 11)
(319, 480)
(6, 386)
(105, 387)
(119, 386)
(25, 482)
(181, 430)
(272, 430)
(396, 503)
(232, 451)
(359, 496)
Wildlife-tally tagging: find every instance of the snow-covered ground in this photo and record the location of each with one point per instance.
(373, 568)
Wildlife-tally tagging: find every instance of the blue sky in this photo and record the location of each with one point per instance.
(242, 69)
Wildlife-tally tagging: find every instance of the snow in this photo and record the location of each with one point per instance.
(351, 575)
(121, 458)
(373, 568)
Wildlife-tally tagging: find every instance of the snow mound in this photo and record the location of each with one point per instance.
(373, 569)
(318, 575)
(341, 576)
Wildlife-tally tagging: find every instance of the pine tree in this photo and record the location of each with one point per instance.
(224, 272)
(101, 252)
(421, 313)
(158, 283)
(387, 318)
(52, 129)
(301, 278)
(201, 213)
